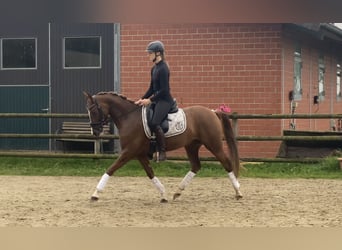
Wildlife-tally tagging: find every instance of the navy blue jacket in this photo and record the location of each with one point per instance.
(159, 87)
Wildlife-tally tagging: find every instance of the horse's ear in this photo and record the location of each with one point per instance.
(89, 97)
(86, 94)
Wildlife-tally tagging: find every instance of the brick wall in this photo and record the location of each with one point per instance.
(247, 66)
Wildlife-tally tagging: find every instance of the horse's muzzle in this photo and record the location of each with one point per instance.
(96, 129)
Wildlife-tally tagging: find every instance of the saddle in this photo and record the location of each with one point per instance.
(173, 124)
(165, 122)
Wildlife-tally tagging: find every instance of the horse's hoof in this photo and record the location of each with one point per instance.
(163, 201)
(176, 195)
(94, 198)
(238, 196)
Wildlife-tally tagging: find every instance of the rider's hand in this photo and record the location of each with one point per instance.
(138, 102)
(143, 102)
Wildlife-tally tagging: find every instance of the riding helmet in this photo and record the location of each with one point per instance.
(155, 46)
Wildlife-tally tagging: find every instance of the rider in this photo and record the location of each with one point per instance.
(158, 93)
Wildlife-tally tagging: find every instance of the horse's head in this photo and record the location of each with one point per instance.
(96, 114)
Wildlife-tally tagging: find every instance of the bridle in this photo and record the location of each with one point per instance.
(103, 119)
(96, 108)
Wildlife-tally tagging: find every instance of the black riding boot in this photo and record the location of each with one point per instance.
(160, 138)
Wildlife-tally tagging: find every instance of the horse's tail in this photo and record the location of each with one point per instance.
(231, 141)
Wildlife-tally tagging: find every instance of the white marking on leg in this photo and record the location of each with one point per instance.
(186, 180)
(236, 185)
(102, 183)
(234, 181)
(184, 183)
(159, 186)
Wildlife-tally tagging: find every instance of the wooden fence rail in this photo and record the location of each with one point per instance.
(234, 116)
(239, 138)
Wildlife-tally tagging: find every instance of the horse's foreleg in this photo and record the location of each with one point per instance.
(160, 188)
(100, 186)
(192, 152)
(105, 177)
(155, 181)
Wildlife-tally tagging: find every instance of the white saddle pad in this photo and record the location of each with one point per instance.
(177, 123)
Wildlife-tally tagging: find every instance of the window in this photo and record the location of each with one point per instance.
(82, 52)
(297, 85)
(321, 74)
(338, 82)
(19, 53)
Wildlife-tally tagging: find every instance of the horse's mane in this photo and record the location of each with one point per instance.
(115, 94)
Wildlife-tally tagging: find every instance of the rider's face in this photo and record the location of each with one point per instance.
(151, 56)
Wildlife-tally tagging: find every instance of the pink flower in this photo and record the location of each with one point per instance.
(224, 108)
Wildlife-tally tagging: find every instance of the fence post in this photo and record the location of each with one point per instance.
(235, 125)
(97, 146)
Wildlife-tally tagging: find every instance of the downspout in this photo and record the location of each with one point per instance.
(116, 71)
(310, 88)
(282, 87)
(332, 78)
(49, 83)
(332, 94)
(117, 85)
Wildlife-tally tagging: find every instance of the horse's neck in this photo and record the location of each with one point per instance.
(121, 109)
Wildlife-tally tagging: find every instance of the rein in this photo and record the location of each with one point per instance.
(104, 119)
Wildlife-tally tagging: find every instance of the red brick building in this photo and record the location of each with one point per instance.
(251, 67)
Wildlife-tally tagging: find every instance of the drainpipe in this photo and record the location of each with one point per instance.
(49, 83)
(310, 88)
(282, 86)
(117, 84)
(332, 93)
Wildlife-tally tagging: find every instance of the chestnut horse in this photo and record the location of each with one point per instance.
(204, 127)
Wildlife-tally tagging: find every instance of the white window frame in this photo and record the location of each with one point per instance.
(19, 38)
(86, 67)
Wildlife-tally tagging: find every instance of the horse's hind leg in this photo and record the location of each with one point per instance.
(192, 152)
(156, 182)
(227, 164)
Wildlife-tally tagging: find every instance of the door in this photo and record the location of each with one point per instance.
(24, 99)
(24, 81)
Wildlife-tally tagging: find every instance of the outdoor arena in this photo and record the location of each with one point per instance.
(134, 202)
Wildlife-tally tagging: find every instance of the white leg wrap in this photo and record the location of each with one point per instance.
(102, 183)
(158, 185)
(234, 181)
(186, 180)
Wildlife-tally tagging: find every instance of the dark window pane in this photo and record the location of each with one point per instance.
(82, 52)
(18, 53)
